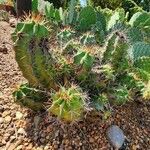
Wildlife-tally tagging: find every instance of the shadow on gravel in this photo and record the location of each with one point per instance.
(45, 130)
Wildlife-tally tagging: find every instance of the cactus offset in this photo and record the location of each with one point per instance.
(30, 97)
(68, 103)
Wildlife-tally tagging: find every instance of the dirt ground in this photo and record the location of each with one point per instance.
(22, 129)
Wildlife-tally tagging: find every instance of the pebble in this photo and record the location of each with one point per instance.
(5, 113)
(22, 131)
(91, 140)
(46, 148)
(8, 119)
(20, 147)
(37, 121)
(30, 146)
(42, 140)
(12, 22)
(1, 120)
(1, 108)
(115, 136)
(12, 137)
(19, 115)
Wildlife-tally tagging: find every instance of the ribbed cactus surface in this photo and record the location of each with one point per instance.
(68, 103)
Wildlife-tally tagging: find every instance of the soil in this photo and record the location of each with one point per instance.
(23, 129)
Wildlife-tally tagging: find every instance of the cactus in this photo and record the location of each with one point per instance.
(118, 58)
(134, 35)
(65, 35)
(121, 95)
(98, 60)
(88, 39)
(138, 50)
(101, 102)
(87, 18)
(140, 19)
(32, 55)
(139, 55)
(101, 18)
(146, 91)
(84, 59)
(143, 63)
(30, 97)
(109, 47)
(22, 52)
(68, 103)
(115, 51)
(100, 33)
(118, 16)
(72, 12)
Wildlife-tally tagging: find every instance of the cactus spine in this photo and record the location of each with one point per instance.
(68, 103)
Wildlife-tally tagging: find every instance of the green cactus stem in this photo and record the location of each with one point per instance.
(87, 18)
(30, 97)
(21, 37)
(68, 103)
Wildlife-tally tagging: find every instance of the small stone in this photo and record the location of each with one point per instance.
(12, 138)
(1, 120)
(115, 136)
(5, 113)
(22, 131)
(1, 108)
(12, 22)
(19, 115)
(11, 131)
(91, 140)
(47, 137)
(3, 141)
(55, 146)
(145, 109)
(46, 148)
(6, 135)
(43, 135)
(56, 133)
(35, 138)
(7, 119)
(20, 147)
(30, 146)
(37, 121)
(42, 140)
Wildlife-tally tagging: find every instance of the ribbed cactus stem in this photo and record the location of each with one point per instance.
(32, 54)
(109, 47)
(22, 52)
(120, 53)
(68, 103)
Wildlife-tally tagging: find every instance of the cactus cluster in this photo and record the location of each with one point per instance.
(99, 52)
